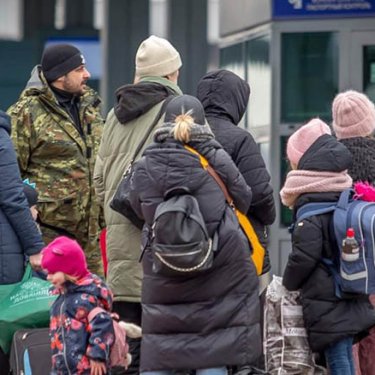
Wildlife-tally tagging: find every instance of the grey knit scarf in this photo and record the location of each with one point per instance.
(198, 133)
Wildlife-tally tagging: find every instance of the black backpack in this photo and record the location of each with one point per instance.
(180, 242)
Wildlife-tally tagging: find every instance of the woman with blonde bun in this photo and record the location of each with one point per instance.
(210, 320)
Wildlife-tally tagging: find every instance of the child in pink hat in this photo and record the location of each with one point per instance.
(78, 346)
(319, 174)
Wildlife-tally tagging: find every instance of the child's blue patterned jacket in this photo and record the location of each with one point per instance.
(74, 341)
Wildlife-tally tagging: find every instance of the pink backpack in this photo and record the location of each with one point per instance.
(119, 349)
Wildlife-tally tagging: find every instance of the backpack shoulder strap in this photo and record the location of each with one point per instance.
(94, 312)
(312, 209)
(319, 208)
(206, 165)
(345, 199)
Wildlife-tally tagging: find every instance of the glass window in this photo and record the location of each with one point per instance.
(232, 58)
(369, 71)
(309, 75)
(259, 78)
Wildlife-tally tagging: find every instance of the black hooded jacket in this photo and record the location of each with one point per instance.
(225, 96)
(327, 318)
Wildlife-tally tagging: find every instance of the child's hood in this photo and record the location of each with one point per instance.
(326, 154)
(95, 286)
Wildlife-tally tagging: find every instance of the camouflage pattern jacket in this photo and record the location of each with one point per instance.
(53, 154)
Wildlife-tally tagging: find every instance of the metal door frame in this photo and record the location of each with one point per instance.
(358, 40)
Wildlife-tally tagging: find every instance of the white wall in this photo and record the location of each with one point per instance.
(238, 15)
(11, 19)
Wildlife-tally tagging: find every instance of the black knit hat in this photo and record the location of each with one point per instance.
(31, 194)
(199, 131)
(182, 104)
(60, 59)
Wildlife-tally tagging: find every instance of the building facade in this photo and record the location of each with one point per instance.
(296, 55)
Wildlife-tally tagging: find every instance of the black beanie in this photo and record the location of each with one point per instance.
(182, 104)
(31, 194)
(60, 59)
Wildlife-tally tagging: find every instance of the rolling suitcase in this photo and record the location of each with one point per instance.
(30, 353)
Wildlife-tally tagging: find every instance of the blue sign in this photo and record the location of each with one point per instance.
(322, 8)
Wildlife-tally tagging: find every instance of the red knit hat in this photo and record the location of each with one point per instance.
(300, 141)
(353, 115)
(64, 255)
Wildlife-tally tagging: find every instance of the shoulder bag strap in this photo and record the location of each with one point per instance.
(220, 182)
(151, 128)
(213, 173)
(258, 249)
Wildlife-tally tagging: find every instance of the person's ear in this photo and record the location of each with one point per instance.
(173, 77)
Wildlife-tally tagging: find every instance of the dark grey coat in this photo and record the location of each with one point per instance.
(19, 235)
(212, 319)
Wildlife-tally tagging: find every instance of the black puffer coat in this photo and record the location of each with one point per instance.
(212, 319)
(327, 318)
(225, 96)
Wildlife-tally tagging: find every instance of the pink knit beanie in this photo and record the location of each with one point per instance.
(353, 115)
(64, 255)
(300, 141)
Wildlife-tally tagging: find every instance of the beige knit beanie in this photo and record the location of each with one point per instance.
(156, 57)
(353, 115)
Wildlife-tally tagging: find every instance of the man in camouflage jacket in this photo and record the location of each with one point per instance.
(57, 128)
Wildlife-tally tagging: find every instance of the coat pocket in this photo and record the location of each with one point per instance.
(65, 213)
